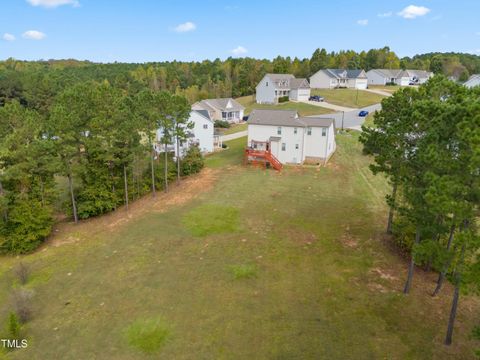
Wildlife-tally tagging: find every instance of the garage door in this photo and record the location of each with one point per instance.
(362, 84)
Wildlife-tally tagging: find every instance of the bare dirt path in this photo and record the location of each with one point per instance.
(187, 189)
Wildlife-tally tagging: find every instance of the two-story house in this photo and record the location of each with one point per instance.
(292, 139)
(274, 86)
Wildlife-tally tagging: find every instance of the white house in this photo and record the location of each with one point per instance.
(290, 138)
(397, 77)
(226, 109)
(201, 135)
(274, 86)
(473, 81)
(339, 78)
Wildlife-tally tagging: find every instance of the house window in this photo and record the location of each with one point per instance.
(324, 131)
(224, 115)
(309, 131)
(205, 126)
(279, 130)
(284, 146)
(276, 92)
(266, 83)
(296, 146)
(295, 131)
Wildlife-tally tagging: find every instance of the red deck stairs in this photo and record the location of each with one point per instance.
(262, 157)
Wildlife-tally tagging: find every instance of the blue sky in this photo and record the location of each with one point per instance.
(149, 30)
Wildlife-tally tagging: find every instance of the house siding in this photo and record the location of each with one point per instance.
(265, 94)
(320, 80)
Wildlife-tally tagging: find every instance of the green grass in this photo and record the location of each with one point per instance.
(245, 271)
(147, 335)
(235, 128)
(302, 108)
(211, 219)
(348, 97)
(313, 239)
(387, 88)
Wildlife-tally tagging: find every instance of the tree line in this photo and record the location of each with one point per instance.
(89, 153)
(36, 83)
(427, 143)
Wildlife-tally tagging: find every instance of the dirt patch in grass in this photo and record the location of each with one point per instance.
(178, 194)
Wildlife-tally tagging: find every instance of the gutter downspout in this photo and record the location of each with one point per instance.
(326, 147)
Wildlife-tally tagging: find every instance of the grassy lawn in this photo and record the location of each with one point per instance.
(235, 128)
(389, 88)
(257, 265)
(302, 108)
(348, 97)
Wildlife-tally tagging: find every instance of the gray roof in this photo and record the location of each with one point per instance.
(286, 118)
(220, 104)
(398, 73)
(204, 113)
(344, 73)
(299, 84)
(278, 77)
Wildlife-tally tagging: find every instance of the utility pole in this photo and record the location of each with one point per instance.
(343, 117)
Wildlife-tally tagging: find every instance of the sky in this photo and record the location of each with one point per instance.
(161, 30)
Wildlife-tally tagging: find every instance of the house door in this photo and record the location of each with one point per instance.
(274, 148)
(296, 154)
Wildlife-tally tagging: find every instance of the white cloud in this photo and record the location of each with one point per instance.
(413, 11)
(384, 15)
(53, 3)
(363, 22)
(239, 50)
(8, 37)
(33, 35)
(185, 27)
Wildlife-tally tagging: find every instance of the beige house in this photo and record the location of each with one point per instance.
(226, 109)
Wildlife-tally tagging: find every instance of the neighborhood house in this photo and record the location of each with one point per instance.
(397, 77)
(338, 78)
(290, 138)
(473, 81)
(274, 86)
(226, 109)
(201, 135)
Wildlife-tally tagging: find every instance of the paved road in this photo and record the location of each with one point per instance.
(351, 120)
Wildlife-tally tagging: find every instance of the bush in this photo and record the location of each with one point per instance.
(283, 99)
(29, 224)
(224, 146)
(95, 200)
(21, 304)
(222, 124)
(192, 162)
(21, 273)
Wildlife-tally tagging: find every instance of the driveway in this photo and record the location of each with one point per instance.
(350, 119)
(234, 135)
(327, 105)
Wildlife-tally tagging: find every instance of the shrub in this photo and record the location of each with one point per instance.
(21, 273)
(222, 124)
(29, 224)
(21, 304)
(95, 200)
(246, 271)
(224, 146)
(283, 99)
(192, 162)
(147, 336)
(13, 326)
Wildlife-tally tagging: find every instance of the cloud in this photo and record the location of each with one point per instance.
(239, 50)
(185, 27)
(384, 15)
(413, 11)
(33, 35)
(8, 37)
(53, 3)
(363, 22)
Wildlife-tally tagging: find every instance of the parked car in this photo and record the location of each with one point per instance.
(316, 98)
(363, 113)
